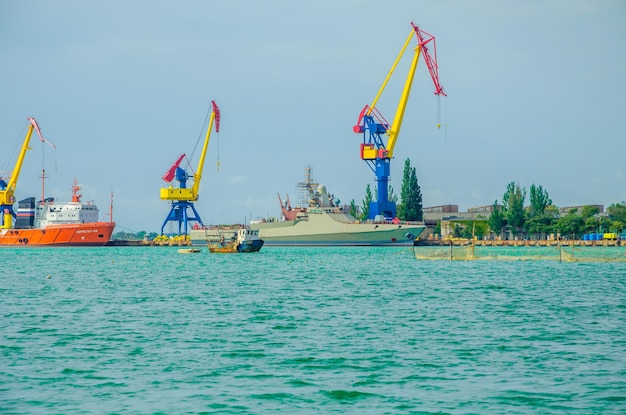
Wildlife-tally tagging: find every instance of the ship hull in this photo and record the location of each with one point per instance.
(251, 246)
(233, 247)
(297, 233)
(322, 230)
(325, 223)
(79, 234)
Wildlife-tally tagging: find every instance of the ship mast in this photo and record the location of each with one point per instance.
(111, 208)
(43, 180)
(75, 195)
(43, 165)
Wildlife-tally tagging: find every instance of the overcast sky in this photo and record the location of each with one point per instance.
(536, 95)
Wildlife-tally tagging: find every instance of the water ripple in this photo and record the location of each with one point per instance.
(319, 330)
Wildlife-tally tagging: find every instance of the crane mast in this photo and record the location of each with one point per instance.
(182, 197)
(375, 127)
(7, 189)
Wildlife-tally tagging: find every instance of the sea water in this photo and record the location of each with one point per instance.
(148, 330)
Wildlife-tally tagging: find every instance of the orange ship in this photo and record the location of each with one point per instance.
(61, 224)
(48, 223)
(85, 234)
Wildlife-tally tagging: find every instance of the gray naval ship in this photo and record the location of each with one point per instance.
(323, 222)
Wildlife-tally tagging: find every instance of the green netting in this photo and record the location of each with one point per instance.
(522, 253)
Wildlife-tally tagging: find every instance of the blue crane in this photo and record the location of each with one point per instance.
(374, 127)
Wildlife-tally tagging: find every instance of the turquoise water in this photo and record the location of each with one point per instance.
(146, 330)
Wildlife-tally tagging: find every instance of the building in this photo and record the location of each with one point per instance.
(441, 209)
(578, 209)
(434, 214)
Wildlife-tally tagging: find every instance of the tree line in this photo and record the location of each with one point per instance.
(541, 218)
(536, 220)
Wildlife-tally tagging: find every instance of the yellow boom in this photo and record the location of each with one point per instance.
(394, 131)
(7, 198)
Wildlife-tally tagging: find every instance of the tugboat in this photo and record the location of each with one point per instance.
(246, 240)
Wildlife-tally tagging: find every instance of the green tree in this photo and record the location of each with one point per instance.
(391, 196)
(571, 225)
(480, 229)
(510, 189)
(616, 226)
(457, 230)
(496, 219)
(590, 219)
(411, 208)
(606, 225)
(539, 200)
(617, 214)
(513, 202)
(353, 210)
(415, 210)
(591, 224)
(405, 190)
(589, 212)
(366, 202)
(537, 227)
(470, 229)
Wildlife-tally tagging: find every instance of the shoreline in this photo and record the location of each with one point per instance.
(524, 243)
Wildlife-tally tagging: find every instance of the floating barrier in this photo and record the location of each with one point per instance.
(572, 251)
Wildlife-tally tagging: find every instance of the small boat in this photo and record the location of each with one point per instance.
(189, 250)
(246, 240)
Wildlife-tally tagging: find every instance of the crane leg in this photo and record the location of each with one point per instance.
(178, 213)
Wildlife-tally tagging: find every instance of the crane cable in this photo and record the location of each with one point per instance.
(43, 154)
(201, 137)
(13, 152)
(438, 112)
(218, 151)
(445, 122)
(6, 169)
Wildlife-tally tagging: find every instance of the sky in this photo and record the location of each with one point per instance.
(536, 95)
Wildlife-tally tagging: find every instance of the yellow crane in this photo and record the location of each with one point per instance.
(182, 197)
(7, 189)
